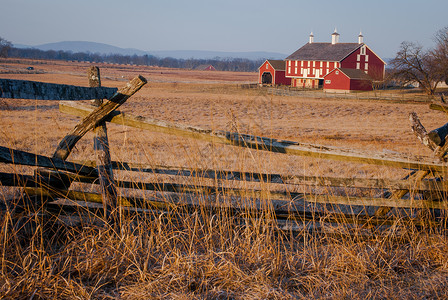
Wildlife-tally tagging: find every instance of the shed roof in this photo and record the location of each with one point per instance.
(204, 67)
(279, 65)
(324, 51)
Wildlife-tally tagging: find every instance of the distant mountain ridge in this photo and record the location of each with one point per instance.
(105, 49)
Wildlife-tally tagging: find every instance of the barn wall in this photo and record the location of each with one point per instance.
(360, 85)
(335, 81)
(298, 68)
(375, 66)
(280, 78)
(266, 67)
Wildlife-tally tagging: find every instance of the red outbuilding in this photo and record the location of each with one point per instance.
(347, 80)
(205, 68)
(272, 72)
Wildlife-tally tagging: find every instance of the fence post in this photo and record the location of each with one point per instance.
(103, 161)
(99, 114)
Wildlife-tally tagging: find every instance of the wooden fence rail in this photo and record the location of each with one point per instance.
(23, 89)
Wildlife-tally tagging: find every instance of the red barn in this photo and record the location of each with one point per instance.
(273, 72)
(342, 80)
(308, 66)
(205, 68)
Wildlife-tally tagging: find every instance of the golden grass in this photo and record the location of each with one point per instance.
(199, 255)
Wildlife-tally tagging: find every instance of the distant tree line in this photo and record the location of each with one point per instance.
(226, 64)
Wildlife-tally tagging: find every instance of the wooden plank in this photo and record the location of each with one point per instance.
(13, 156)
(288, 212)
(416, 176)
(353, 182)
(44, 177)
(19, 180)
(96, 116)
(278, 195)
(102, 154)
(383, 202)
(421, 133)
(439, 106)
(263, 143)
(23, 89)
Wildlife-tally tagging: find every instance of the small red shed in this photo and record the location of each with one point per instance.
(272, 72)
(205, 68)
(346, 80)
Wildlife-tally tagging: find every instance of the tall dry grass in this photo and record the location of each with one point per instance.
(203, 256)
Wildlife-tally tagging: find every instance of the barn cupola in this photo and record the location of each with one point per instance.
(360, 38)
(311, 38)
(335, 37)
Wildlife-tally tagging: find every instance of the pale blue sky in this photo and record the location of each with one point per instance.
(227, 25)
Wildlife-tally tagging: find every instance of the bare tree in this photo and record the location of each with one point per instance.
(413, 64)
(4, 47)
(440, 53)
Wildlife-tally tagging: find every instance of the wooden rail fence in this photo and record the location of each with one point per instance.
(53, 176)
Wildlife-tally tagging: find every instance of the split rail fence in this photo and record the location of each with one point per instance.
(424, 188)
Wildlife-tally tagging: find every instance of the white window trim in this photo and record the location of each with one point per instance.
(363, 50)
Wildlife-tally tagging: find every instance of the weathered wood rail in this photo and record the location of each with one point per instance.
(23, 89)
(53, 176)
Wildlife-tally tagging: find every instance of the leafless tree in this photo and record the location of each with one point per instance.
(413, 64)
(440, 53)
(4, 47)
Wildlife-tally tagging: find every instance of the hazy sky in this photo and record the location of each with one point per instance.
(226, 25)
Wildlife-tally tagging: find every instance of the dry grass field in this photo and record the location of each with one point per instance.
(198, 256)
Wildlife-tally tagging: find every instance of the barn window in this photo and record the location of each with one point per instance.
(289, 70)
(367, 67)
(328, 64)
(296, 70)
(267, 66)
(367, 58)
(363, 50)
(358, 66)
(321, 64)
(327, 81)
(358, 57)
(297, 63)
(337, 72)
(301, 63)
(289, 63)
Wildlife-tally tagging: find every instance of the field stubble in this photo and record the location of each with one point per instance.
(204, 256)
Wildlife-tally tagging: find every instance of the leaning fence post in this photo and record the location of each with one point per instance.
(99, 114)
(103, 161)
